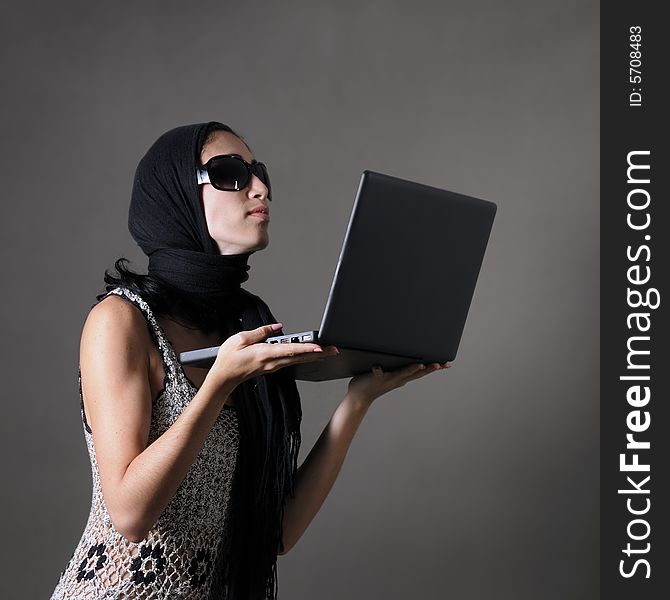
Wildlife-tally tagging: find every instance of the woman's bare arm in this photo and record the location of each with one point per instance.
(317, 474)
(138, 481)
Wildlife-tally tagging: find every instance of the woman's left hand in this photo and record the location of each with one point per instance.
(369, 386)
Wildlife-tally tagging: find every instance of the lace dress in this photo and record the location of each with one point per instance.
(178, 557)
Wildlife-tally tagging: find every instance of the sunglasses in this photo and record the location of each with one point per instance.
(231, 173)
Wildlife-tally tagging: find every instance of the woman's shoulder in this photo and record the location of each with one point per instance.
(114, 303)
(126, 300)
(115, 317)
(114, 339)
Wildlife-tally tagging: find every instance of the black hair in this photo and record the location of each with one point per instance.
(158, 294)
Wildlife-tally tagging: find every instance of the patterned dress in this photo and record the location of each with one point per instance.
(178, 557)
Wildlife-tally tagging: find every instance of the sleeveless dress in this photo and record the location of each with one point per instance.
(178, 557)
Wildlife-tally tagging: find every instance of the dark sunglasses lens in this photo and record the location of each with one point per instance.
(228, 174)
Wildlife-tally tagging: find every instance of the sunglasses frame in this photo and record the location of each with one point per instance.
(253, 168)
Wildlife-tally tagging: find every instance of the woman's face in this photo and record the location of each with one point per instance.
(229, 221)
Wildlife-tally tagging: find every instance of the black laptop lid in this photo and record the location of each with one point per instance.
(407, 270)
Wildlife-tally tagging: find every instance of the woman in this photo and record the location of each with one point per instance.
(195, 482)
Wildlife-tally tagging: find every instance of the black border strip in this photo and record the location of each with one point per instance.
(634, 124)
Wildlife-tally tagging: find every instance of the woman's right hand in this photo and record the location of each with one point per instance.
(246, 355)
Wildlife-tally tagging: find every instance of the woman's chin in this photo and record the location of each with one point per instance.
(262, 244)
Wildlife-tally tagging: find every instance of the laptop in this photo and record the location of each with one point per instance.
(403, 283)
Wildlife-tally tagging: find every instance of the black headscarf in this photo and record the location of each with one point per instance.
(167, 221)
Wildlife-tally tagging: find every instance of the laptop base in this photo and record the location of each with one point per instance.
(350, 362)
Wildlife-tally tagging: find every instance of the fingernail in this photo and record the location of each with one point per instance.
(318, 349)
(276, 326)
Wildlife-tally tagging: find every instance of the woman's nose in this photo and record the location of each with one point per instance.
(257, 189)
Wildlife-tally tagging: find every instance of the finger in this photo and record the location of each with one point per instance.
(286, 354)
(408, 371)
(427, 370)
(396, 377)
(289, 350)
(286, 361)
(378, 372)
(414, 372)
(253, 336)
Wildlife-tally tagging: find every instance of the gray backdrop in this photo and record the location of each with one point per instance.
(473, 483)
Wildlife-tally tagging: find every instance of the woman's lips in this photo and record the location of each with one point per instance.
(260, 215)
